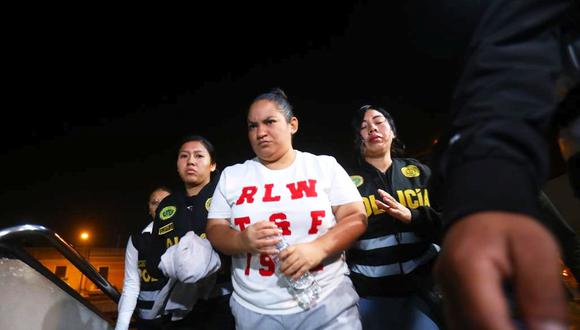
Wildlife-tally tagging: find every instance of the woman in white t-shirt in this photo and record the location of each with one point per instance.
(309, 199)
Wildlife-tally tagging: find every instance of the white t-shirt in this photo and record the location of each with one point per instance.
(299, 199)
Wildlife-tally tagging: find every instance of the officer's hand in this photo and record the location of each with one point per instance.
(393, 207)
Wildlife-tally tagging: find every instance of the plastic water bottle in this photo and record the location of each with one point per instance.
(305, 290)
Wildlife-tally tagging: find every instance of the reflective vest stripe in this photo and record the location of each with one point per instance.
(386, 241)
(395, 269)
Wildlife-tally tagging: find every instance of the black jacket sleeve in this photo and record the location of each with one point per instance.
(426, 222)
(495, 155)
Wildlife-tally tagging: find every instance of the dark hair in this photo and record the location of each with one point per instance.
(160, 188)
(210, 148)
(153, 189)
(397, 146)
(278, 96)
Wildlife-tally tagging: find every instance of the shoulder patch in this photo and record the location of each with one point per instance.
(167, 212)
(357, 180)
(167, 228)
(208, 204)
(410, 171)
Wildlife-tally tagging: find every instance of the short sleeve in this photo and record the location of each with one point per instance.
(342, 189)
(219, 208)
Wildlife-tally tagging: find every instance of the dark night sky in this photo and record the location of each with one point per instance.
(99, 99)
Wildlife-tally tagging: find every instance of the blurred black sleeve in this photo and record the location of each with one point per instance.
(494, 156)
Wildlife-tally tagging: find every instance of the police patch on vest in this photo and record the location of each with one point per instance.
(167, 228)
(357, 180)
(167, 212)
(410, 171)
(208, 204)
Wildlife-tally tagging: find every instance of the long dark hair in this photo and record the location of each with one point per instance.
(397, 146)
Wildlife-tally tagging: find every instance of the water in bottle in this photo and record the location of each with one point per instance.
(305, 290)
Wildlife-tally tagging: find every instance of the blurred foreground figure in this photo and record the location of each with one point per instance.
(491, 166)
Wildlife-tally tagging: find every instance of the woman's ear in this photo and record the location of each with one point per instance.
(293, 125)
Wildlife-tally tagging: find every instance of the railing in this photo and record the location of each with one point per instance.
(27, 231)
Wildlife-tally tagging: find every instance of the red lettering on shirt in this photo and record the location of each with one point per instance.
(248, 264)
(266, 261)
(242, 222)
(280, 220)
(268, 195)
(299, 188)
(247, 194)
(316, 221)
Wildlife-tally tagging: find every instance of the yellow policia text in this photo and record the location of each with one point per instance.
(411, 198)
(171, 241)
(144, 274)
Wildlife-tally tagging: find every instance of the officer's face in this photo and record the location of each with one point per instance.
(154, 200)
(268, 131)
(194, 164)
(376, 134)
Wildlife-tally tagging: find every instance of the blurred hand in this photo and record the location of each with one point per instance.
(393, 207)
(298, 259)
(484, 250)
(261, 237)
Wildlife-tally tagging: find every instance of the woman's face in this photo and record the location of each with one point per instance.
(194, 164)
(376, 134)
(268, 131)
(154, 200)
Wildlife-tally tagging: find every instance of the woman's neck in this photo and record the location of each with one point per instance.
(281, 163)
(382, 162)
(192, 190)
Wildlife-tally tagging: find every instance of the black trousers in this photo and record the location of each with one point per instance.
(211, 314)
(154, 324)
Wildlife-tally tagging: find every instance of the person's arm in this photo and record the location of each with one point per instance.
(131, 287)
(492, 168)
(502, 106)
(260, 237)
(351, 223)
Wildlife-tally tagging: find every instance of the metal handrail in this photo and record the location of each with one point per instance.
(67, 251)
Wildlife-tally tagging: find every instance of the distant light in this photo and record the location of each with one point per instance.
(84, 236)
(565, 273)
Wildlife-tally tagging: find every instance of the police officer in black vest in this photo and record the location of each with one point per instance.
(184, 211)
(140, 289)
(391, 262)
